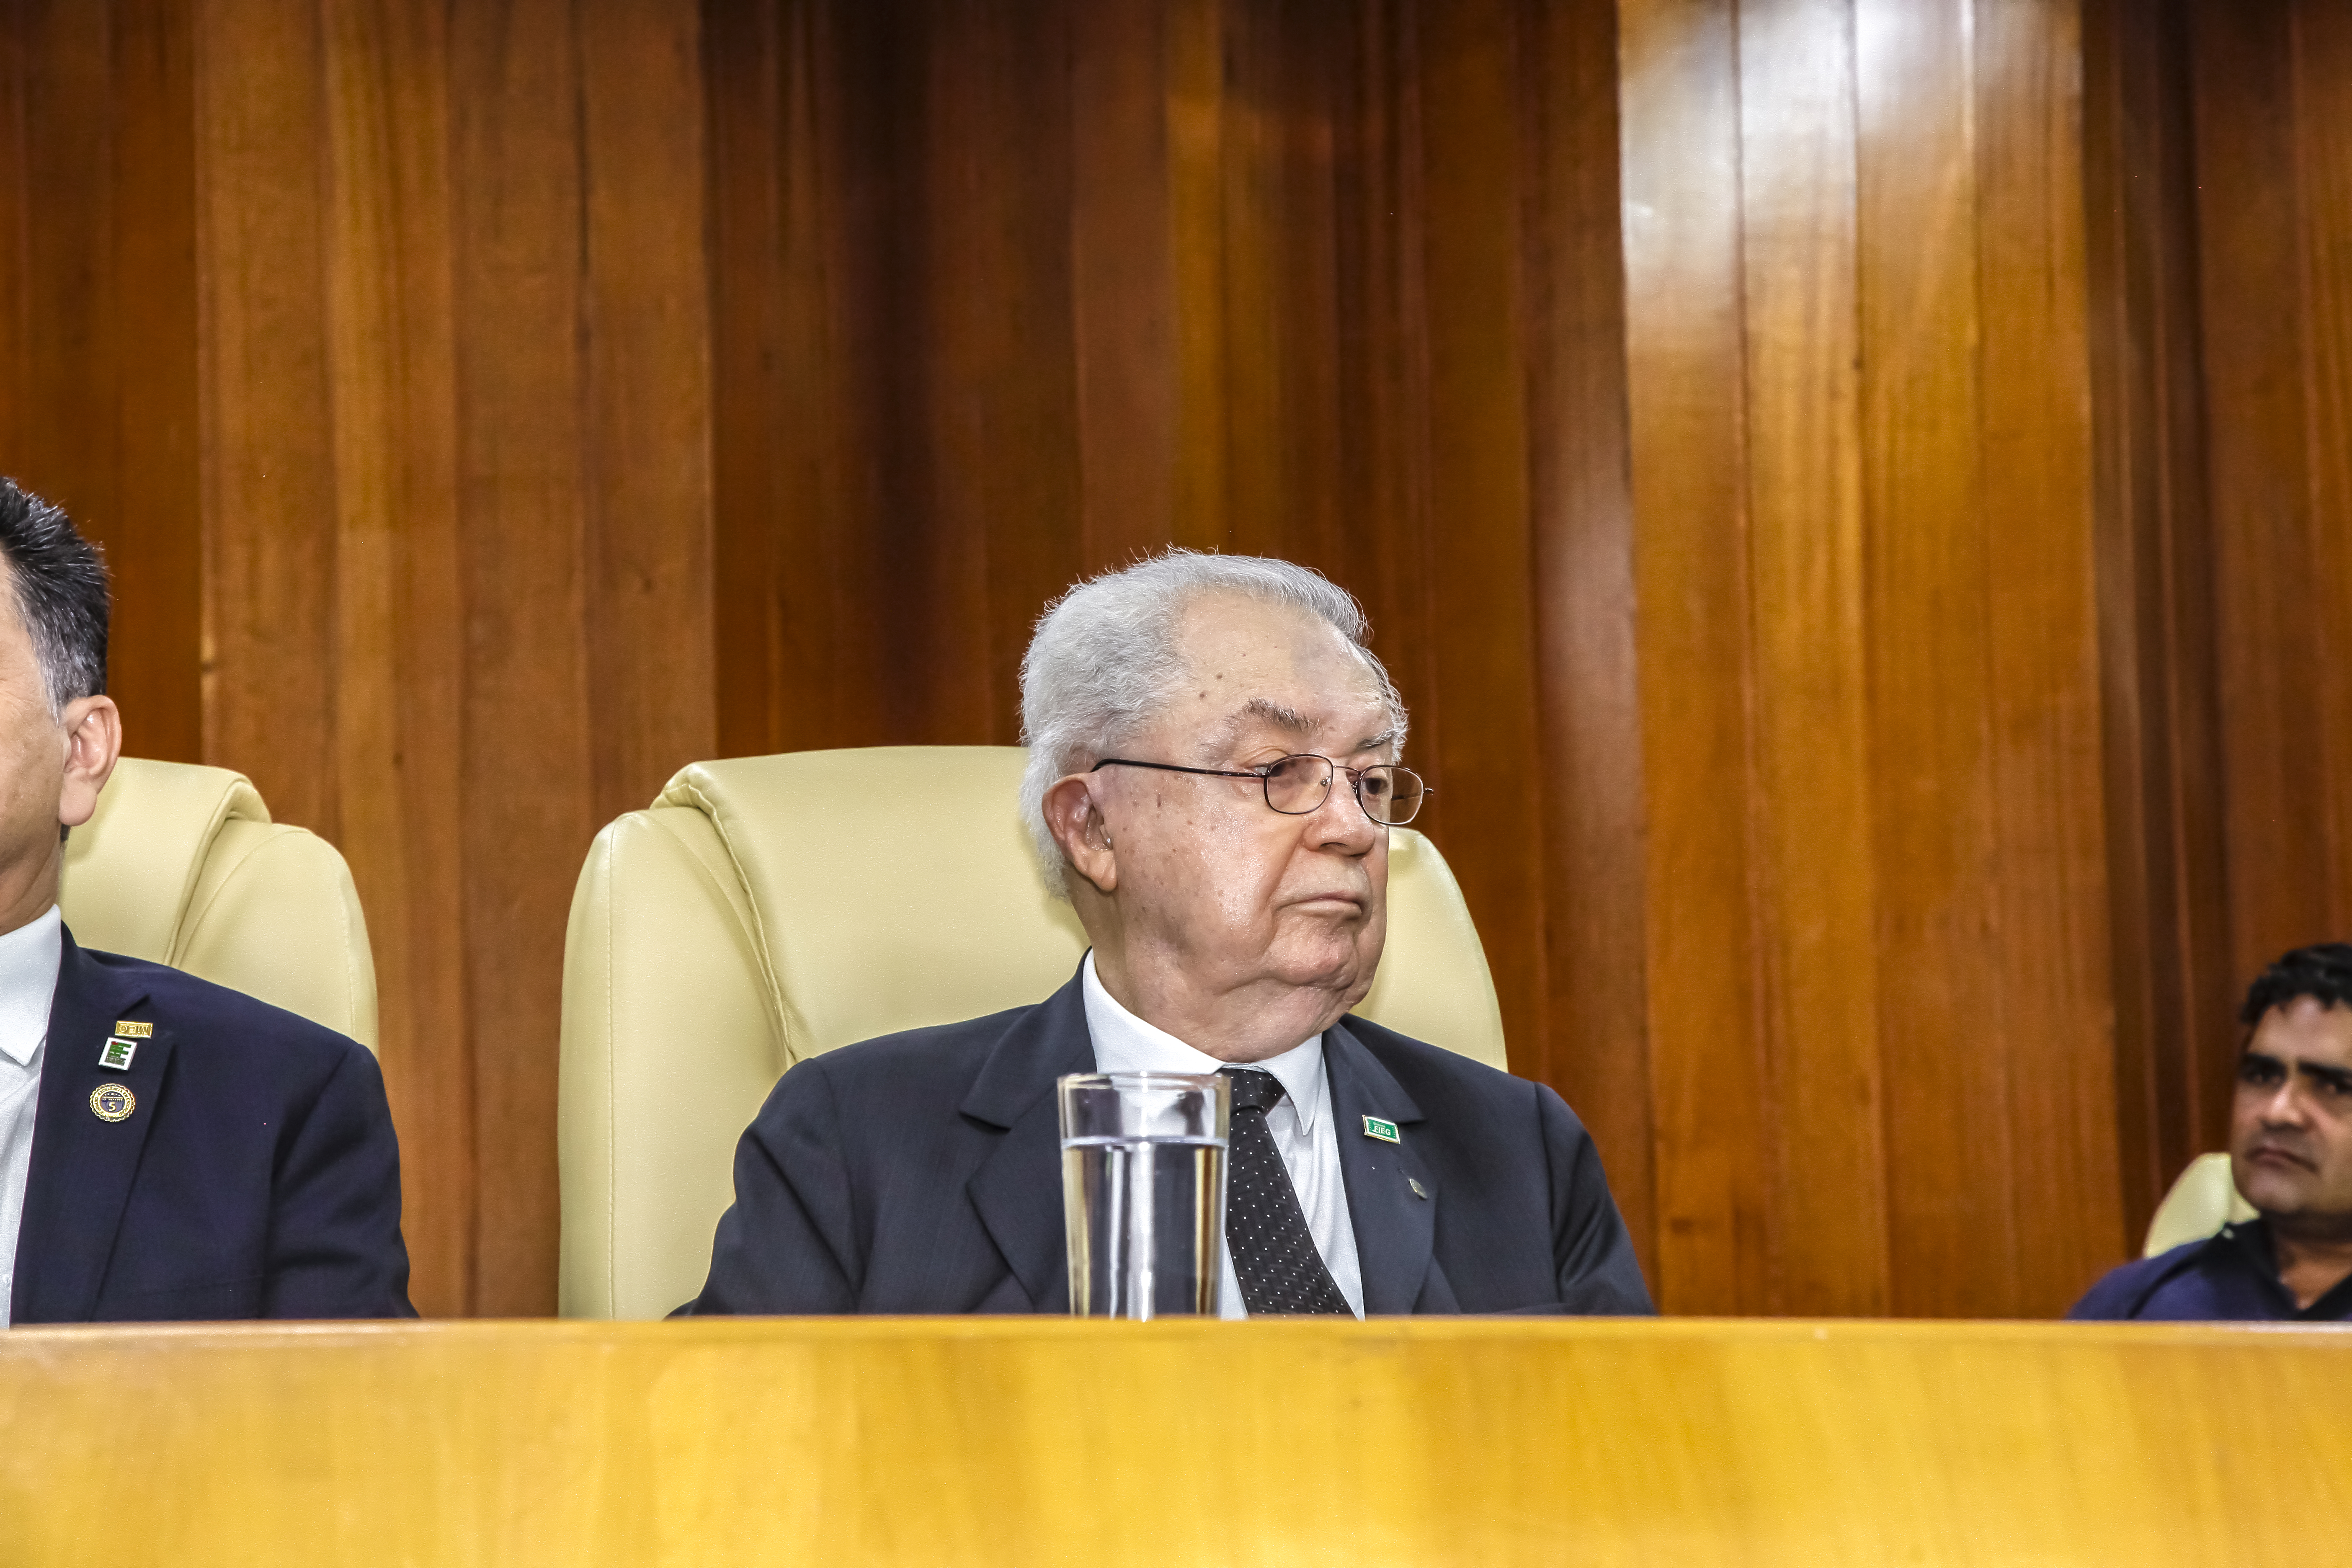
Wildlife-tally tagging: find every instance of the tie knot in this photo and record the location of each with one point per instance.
(1255, 1089)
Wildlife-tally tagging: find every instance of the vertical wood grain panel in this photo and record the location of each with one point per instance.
(16, 221)
(399, 615)
(1281, 305)
(747, 72)
(2323, 98)
(646, 386)
(2251, 221)
(2268, 84)
(457, 386)
(1593, 1045)
(69, 430)
(1869, 661)
(2164, 870)
(1681, 104)
(1952, 1172)
(527, 771)
(101, 335)
(269, 469)
(811, 498)
(155, 668)
(1123, 286)
(1816, 870)
(1196, 119)
(2051, 914)
(1002, 517)
(1486, 670)
(1389, 546)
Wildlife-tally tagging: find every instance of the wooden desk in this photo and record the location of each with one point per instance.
(1047, 1441)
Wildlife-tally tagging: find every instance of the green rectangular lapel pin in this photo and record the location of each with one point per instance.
(116, 1054)
(1384, 1131)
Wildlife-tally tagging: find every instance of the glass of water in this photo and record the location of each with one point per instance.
(1143, 1191)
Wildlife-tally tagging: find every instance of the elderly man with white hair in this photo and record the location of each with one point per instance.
(1213, 774)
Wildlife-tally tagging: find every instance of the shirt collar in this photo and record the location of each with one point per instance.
(29, 956)
(2250, 1242)
(1125, 1043)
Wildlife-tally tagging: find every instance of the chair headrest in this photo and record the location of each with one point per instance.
(904, 866)
(908, 869)
(159, 819)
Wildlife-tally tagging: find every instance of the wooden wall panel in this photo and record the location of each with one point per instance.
(16, 222)
(2173, 973)
(1683, 341)
(375, 341)
(1816, 868)
(2253, 221)
(1594, 1045)
(400, 654)
(2269, 85)
(98, 220)
(1879, 944)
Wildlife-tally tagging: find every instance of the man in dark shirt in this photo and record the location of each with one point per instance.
(2291, 1156)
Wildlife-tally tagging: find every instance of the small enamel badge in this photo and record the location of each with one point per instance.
(116, 1054)
(131, 1030)
(112, 1102)
(1385, 1131)
(1417, 1190)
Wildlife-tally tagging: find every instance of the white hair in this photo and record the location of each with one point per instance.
(1105, 658)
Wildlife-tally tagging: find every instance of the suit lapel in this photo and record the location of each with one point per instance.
(1396, 1229)
(83, 1164)
(1018, 1187)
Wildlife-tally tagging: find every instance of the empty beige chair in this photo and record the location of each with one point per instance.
(2201, 1203)
(768, 909)
(182, 866)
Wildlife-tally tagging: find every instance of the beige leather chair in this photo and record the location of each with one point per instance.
(767, 909)
(182, 866)
(2201, 1203)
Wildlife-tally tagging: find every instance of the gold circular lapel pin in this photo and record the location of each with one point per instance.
(112, 1102)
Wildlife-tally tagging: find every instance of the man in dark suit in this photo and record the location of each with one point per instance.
(2290, 1157)
(1213, 775)
(169, 1149)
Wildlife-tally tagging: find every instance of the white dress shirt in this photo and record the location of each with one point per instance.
(1300, 1122)
(29, 983)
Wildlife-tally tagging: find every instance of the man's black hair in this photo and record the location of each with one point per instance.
(59, 580)
(2323, 971)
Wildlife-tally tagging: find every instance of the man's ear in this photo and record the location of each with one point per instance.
(92, 727)
(1077, 826)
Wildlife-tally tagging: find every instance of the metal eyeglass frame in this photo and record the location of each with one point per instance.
(1265, 776)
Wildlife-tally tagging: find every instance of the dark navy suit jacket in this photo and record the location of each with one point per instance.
(2229, 1277)
(922, 1173)
(256, 1178)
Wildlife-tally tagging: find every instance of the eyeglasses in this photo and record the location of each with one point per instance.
(1298, 787)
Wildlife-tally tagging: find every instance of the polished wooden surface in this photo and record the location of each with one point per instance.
(2176, 978)
(1853, 493)
(2271, 84)
(1047, 1442)
(1880, 1013)
(412, 421)
(99, 319)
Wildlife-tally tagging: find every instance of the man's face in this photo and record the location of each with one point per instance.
(2291, 1125)
(32, 745)
(1239, 893)
(51, 768)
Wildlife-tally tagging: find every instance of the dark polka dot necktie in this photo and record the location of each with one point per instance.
(1274, 1252)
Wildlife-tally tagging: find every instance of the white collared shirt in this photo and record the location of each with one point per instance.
(1300, 1122)
(29, 983)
